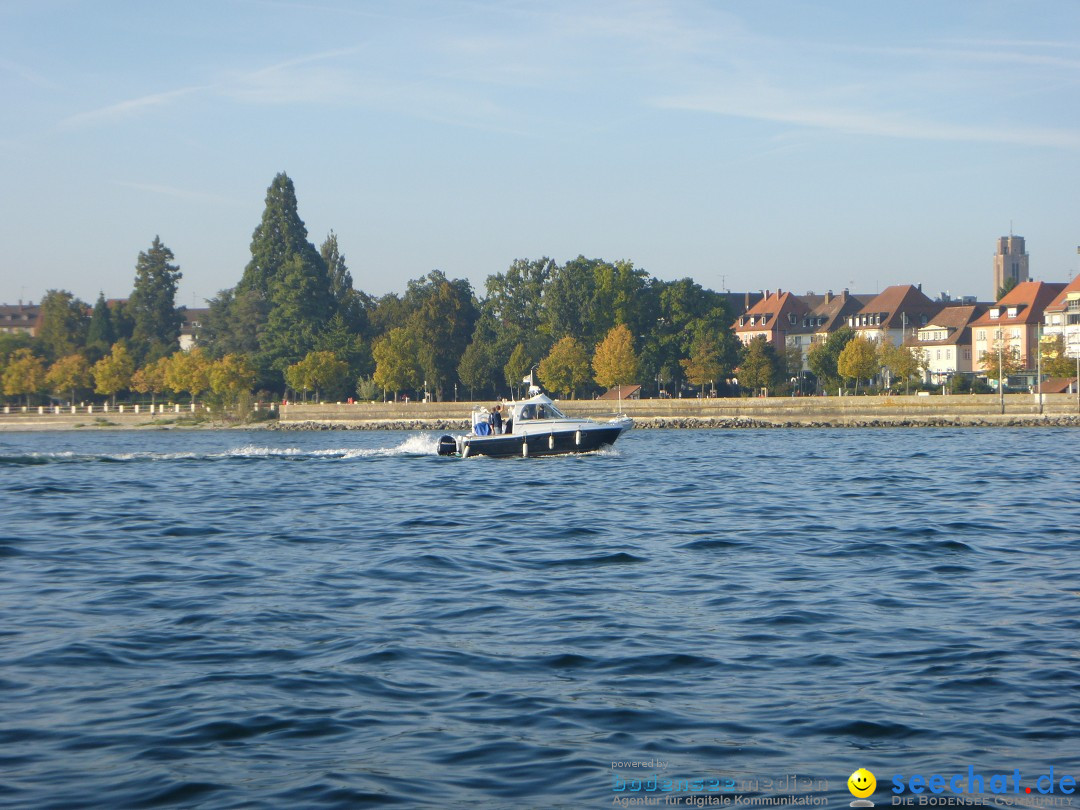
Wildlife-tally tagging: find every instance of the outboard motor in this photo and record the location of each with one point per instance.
(448, 446)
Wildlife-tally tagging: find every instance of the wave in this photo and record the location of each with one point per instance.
(416, 445)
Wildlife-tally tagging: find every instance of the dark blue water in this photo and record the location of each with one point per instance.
(232, 619)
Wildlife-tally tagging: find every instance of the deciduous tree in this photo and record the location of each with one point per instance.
(705, 363)
(760, 365)
(614, 361)
(231, 376)
(24, 375)
(566, 367)
(823, 356)
(396, 366)
(63, 324)
(318, 370)
(150, 379)
(68, 374)
(188, 371)
(858, 360)
(112, 373)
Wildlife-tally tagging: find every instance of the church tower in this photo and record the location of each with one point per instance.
(1010, 262)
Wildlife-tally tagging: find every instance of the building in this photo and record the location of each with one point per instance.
(1010, 263)
(25, 318)
(825, 314)
(1062, 317)
(774, 317)
(895, 314)
(1014, 322)
(191, 326)
(945, 342)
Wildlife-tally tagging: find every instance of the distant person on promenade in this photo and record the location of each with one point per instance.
(496, 421)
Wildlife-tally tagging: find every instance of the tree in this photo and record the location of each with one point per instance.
(231, 376)
(101, 332)
(444, 315)
(150, 379)
(903, 363)
(760, 366)
(346, 345)
(858, 361)
(1007, 287)
(288, 278)
(63, 324)
(188, 371)
(517, 366)
(1055, 361)
(614, 360)
(566, 367)
(350, 304)
(316, 371)
(705, 364)
(1001, 362)
(152, 305)
(112, 373)
(68, 374)
(24, 375)
(478, 369)
(396, 366)
(823, 356)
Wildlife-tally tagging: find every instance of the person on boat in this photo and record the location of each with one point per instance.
(496, 421)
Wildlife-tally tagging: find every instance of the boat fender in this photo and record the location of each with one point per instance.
(577, 438)
(551, 441)
(447, 446)
(465, 448)
(525, 447)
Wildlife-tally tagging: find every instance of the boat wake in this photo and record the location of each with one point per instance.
(416, 445)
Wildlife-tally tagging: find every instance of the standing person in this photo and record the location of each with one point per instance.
(496, 421)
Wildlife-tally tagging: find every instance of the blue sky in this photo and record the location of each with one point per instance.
(748, 144)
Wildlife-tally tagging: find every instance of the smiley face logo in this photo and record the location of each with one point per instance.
(861, 783)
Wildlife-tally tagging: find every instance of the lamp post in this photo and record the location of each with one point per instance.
(1001, 363)
(1038, 364)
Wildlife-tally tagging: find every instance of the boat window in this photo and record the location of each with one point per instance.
(548, 412)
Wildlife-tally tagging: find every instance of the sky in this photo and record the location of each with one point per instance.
(747, 144)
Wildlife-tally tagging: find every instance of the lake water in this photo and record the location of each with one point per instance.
(343, 619)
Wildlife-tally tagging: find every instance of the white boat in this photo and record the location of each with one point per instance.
(534, 427)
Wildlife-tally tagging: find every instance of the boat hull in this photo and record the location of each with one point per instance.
(535, 443)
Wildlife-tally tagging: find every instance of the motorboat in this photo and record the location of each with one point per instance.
(534, 427)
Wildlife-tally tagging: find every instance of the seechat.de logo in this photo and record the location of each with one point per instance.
(861, 784)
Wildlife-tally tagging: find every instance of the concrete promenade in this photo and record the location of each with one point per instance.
(873, 411)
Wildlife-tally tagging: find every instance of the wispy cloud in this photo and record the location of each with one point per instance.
(177, 193)
(125, 109)
(863, 122)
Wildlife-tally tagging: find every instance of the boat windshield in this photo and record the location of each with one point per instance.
(541, 410)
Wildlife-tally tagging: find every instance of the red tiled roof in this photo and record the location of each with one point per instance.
(1030, 299)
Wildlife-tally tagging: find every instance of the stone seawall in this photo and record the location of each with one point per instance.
(900, 411)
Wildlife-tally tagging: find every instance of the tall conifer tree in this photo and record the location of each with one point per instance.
(152, 305)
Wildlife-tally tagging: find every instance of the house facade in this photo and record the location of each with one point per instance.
(944, 343)
(896, 314)
(1062, 317)
(1013, 322)
(25, 318)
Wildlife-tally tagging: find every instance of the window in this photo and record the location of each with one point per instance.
(995, 313)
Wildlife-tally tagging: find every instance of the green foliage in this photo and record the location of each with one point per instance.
(152, 306)
(443, 316)
(1055, 361)
(367, 390)
(188, 371)
(615, 362)
(760, 367)
(706, 361)
(112, 373)
(63, 324)
(517, 366)
(150, 379)
(566, 367)
(902, 362)
(1006, 288)
(68, 374)
(823, 356)
(396, 365)
(231, 377)
(858, 360)
(101, 332)
(479, 369)
(317, 371)
(24, 374)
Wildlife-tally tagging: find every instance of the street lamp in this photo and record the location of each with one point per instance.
(1001, 363)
